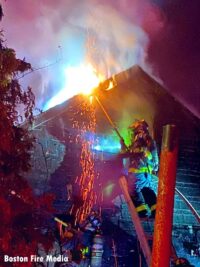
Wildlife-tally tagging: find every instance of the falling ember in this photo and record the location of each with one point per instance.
(84, 80)
(85, 122)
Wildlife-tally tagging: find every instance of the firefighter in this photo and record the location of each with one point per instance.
(143, 162)
(90, 228)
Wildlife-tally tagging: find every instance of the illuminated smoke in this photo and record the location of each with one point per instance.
(55, 32)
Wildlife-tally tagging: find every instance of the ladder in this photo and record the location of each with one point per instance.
(142, 236)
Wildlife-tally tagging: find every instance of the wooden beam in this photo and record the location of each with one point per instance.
(136, 221)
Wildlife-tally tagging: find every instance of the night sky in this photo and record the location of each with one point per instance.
(175, 52)
(162, 36)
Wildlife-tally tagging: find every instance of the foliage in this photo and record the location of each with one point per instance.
(21, 212)
(15, 142)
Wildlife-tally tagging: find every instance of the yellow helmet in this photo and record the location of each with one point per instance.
(139, 125)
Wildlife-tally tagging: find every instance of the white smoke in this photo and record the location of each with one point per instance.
(114, 43)
(60, 33)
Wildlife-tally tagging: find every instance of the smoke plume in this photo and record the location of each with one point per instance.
(112, 35)
(162, 36)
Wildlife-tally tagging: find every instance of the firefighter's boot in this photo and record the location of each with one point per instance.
(140, 205)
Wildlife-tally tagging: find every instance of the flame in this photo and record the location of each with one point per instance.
(82, 79)
(79, 80)
(110, 86)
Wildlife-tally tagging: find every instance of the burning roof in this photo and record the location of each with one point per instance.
(135, 95)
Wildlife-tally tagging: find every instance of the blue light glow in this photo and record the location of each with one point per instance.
(109, 144)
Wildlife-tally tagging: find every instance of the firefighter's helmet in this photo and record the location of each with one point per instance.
(139, 125)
